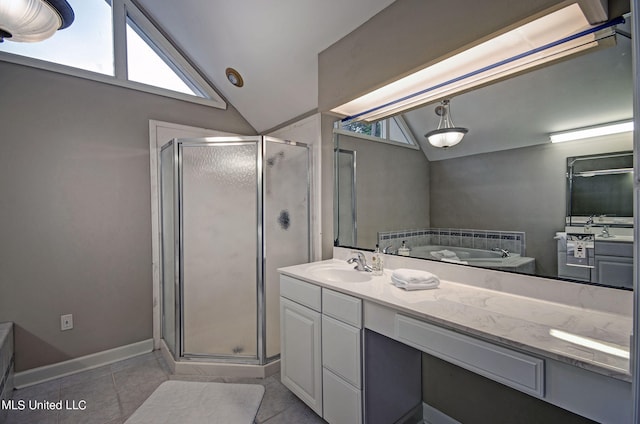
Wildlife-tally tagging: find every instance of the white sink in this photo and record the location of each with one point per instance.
(336, 273)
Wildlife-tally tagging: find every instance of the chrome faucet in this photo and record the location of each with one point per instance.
(605, 232)
(360, 261)
(388, 249)
(589, 222)
(505, 252)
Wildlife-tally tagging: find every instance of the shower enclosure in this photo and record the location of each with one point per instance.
(233, 210)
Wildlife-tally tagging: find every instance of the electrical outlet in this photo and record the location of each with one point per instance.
(66, 322)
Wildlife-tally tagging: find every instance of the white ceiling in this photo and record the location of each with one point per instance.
(273, 44)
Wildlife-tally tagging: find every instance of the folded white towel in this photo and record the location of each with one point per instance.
(411, 276)
(432, 284)
(411, 279)
(445, 254)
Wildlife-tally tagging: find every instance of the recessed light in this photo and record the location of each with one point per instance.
(234, 77)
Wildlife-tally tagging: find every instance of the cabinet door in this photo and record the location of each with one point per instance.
(300, 355)
(614, 271)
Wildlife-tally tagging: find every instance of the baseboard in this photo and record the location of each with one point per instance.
(432, 415)
(61, 369)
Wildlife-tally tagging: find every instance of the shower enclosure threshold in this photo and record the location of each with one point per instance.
(210, 368)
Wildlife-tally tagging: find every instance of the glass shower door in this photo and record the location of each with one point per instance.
(286, 224)
(219, 218)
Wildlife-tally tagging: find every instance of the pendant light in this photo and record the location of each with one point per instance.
(33, 20)
(447, 134)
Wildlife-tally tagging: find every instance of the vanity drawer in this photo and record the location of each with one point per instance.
(342, 307)
(511, 368)
(342, 350)
(342, 402)
(613, 248)
(301, 292)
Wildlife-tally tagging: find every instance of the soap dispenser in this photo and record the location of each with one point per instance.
(377, 262)
(404, 250)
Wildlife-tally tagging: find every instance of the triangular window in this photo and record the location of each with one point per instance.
(153, 60)
(147, 64)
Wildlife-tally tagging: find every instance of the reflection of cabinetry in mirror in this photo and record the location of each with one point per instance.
(599, 204)
(613, 264)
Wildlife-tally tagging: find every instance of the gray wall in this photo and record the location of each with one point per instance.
(75, 208)
(392, 188)
(513, 190)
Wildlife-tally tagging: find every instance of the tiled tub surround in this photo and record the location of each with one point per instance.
(6, 363)
(517, 312)
(513, 241)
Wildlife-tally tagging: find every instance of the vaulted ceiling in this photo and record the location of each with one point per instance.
(273, 44)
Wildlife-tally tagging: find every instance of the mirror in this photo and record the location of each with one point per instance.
(499, 198)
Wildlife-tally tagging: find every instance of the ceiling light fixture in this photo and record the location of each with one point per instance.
(551, 37)
(447, 134)
(33, 20)
(234, 77)
(589, 132)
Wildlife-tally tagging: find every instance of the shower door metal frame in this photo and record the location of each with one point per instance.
(261, 355)
(176, 247)
(354, 200)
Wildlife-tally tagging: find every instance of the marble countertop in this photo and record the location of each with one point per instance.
(542, 327)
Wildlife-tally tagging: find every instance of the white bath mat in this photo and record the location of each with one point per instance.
(189, 402)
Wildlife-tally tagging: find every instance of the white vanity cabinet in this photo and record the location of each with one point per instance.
(321, 349)
(300, 341)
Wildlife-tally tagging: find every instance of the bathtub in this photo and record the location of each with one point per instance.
(475, 257)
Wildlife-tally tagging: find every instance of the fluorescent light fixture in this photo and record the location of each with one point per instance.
(596, 131)
(590, 343)
(529, 45)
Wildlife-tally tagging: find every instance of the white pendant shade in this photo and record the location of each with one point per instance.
(447, 134)
(29, 20)
(446, 138)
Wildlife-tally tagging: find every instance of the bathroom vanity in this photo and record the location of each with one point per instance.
(611, 259)
(332, 317)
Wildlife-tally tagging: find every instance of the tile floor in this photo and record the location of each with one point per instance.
(113, 392)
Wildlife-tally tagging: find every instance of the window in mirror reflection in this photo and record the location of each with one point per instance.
(393, 130)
